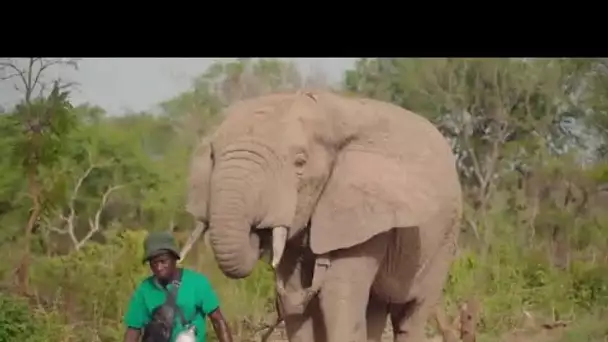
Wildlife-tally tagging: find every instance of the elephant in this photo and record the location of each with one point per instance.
(358, 199)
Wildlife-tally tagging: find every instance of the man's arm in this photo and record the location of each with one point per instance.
(220, 326)
(132, 335)
(211, 308)
(136, 317)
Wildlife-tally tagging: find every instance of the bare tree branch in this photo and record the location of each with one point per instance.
(30, 76)
(14, 71)
(94, 223)
(468, 146)
(69, 220)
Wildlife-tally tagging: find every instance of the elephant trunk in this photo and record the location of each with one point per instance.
(235, 246)
(248, 192)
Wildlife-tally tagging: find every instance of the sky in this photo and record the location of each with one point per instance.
(122, 85)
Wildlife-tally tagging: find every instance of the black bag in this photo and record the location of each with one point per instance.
(160, 327)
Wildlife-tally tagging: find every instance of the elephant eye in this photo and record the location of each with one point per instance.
(300, 160)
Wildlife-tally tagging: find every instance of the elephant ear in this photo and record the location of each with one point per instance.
(199, 181)
(369, 193)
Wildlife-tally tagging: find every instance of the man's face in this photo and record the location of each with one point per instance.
(163, 266)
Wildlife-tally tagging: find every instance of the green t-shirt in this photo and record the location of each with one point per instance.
(194, 292)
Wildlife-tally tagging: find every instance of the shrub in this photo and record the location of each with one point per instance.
(94, 284)
(16, 321)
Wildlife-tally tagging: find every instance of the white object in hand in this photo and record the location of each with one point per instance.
(188, 335)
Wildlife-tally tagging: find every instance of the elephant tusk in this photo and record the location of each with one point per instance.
(279, 239)
(201, 228)
(207, 239)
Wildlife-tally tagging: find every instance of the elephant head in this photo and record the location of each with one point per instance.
(344, 167)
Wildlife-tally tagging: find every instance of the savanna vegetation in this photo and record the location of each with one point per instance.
(80, 187)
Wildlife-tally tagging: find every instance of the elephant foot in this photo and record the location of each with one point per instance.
(408, 320)
(377, 312)
(307, 327)
(295, 302)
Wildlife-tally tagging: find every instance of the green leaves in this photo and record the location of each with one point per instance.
(15, 319)
(43, 123)
(497, 112)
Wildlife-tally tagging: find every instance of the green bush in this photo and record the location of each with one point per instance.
(93, 285)
(16, 321)
(514, 271)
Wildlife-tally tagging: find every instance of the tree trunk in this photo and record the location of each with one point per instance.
(24, 266)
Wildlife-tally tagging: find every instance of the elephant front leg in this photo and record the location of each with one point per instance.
(345, 293)
(307, 327)
(296, 272)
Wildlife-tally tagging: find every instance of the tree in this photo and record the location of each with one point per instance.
(248, 77)
(44, 120)
(595, 102)
(496, 112)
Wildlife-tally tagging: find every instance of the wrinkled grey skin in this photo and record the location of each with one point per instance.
(358, 199)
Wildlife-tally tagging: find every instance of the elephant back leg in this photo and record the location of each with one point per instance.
(345, 293)
(377, 312)
(399, 267)
(409, 319)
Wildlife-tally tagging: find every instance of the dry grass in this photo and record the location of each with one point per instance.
(462, 328)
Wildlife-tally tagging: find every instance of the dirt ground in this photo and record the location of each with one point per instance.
(279, 335)
(536, 336)
(463, 328)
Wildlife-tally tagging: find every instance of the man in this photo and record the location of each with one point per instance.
(196, 298)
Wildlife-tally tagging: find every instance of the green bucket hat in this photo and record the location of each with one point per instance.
(157, 243)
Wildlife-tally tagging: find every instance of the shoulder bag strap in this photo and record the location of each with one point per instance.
(172, 297)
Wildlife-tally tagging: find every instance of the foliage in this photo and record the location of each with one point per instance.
(19, 323)
(92, 286)
(15, 319)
